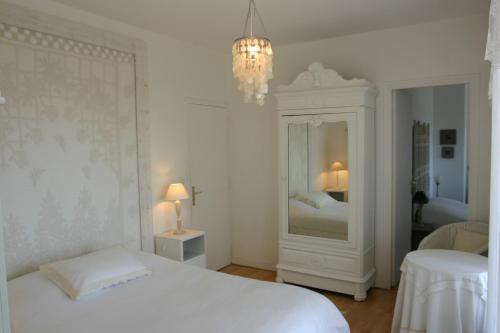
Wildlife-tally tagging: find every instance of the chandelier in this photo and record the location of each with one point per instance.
(253, 60)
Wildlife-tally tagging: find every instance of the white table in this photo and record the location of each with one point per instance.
(189, 247)
(441, 291)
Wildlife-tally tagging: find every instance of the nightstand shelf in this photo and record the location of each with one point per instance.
(189, 248)
(341, 195)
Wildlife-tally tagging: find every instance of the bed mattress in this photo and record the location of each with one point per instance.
(175, 298)
(441, 211)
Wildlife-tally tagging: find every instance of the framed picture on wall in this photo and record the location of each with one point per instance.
(447, 152)
(448, 137)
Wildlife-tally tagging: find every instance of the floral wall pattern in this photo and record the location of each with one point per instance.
(68, 148)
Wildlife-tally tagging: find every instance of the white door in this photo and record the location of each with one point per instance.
(209, 180)
(403, 125)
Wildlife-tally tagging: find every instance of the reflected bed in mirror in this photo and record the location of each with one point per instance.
(327, 221)
(318, 183)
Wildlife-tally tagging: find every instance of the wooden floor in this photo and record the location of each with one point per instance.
(373, 316)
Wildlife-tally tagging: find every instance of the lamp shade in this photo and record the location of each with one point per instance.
(337, 166)
(176, 192)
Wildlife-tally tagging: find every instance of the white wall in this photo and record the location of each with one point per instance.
(422, 103)
(449, 113)
(176, 69)
(442, 48)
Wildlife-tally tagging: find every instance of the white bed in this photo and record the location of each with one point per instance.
(442, 211)
(176, 298)
(329, 221)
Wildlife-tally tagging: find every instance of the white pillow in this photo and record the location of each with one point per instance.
(83, 275)
(314, 199)
(469, 241)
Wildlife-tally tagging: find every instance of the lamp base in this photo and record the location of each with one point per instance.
(179, 230)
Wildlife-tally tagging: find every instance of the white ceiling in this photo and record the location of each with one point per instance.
(216, 23)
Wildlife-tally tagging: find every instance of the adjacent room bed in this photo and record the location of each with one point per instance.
(174, 298)
(441, 211)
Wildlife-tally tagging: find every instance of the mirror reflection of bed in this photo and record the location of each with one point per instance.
(318, 185)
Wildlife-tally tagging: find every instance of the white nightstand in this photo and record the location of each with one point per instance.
(341, 195)
(188, 248)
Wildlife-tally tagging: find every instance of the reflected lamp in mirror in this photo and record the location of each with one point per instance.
(337, 166)
(340, 175)
(420, 199)
(177, 192)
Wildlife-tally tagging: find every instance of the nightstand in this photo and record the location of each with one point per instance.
(188, 248)
(418, 232)
(341, 195)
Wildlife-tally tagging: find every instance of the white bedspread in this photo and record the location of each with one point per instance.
(441, 211)
(329, 221)
(176, 298)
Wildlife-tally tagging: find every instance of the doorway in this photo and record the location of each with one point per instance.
(430, 163)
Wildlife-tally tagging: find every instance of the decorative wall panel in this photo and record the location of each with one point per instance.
(421, 157)
(69, 179)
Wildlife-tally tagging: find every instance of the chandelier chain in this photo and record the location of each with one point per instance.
(252, 12)
(261, 21)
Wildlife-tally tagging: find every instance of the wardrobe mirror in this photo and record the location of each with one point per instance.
(318, 179)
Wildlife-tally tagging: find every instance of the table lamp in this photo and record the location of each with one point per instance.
(176, 193)
(337, 166)
(419, 198)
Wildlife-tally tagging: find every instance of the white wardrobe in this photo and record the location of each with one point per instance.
(327, 180)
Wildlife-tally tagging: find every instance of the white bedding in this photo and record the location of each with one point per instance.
(441, 211)
(329, 221)
(176, 298)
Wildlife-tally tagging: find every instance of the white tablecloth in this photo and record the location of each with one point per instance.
(441, 291)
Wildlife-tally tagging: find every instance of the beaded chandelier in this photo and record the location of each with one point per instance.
(253, 60)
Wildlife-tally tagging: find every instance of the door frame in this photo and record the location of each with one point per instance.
(397, 112)
(386, 163)
(4, 304)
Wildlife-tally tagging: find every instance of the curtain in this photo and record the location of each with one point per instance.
(493, 55)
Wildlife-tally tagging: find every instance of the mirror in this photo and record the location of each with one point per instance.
(318, 179)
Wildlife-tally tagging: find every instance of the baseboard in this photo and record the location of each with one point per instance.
(256, 264)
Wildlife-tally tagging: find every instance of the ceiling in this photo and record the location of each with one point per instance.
(216, 23)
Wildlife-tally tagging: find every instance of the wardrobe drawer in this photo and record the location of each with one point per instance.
(319, 261)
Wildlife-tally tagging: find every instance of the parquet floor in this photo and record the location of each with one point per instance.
(372, 316)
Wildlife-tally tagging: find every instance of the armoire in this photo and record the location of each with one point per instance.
(327, 182)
